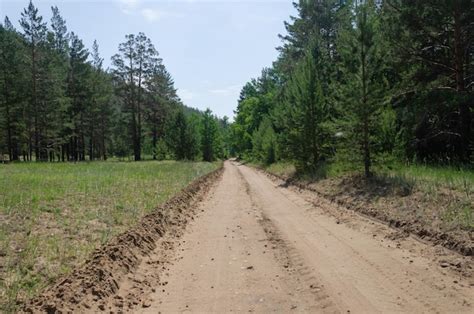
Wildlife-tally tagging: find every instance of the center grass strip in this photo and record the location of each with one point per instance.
(52, 216)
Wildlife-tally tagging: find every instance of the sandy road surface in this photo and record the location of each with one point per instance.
(260, 247)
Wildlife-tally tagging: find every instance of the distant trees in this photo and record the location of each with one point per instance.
(57, 102)
(79, 96)
(209, 137)
(183, 138)
(364, 82)
(35, 37)
(264, 142)
(161, 99)
(102, 114)
(12, 90)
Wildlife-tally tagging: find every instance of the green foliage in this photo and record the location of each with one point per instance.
(210, 141)
(362, 84)
(264, 143)
(12, 90)
(58, 103)
(364, 87)
(432, 45)
(183, 138)
(306, 112)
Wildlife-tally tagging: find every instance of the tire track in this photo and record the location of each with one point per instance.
(291, 261)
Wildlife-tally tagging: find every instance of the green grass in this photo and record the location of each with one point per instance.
(448, 191)
(449, 187)
(460, 179)
(285, 169)
(52, 216)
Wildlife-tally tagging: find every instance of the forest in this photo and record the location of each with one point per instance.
(359, 83)
(364, 84)
(58, 103)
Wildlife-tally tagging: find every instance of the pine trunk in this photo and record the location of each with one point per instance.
(464, 106)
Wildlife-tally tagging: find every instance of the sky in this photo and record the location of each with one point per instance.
(210, 47)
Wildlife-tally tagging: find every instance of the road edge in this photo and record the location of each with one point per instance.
(98, 277)
(423, 235)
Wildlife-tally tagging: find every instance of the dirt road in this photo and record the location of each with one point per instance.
(260, 247)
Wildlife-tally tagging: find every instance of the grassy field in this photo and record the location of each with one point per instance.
(52, 216)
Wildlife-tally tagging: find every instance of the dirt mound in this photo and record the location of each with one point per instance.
(379, 200)
(99, 277)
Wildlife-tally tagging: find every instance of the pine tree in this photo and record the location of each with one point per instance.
(209, 136)
(265, 143)
(364, 87)
(12, 85)
(52, 88)
(162, 97)
(61, 36)
(321, 19)
(182, 137)
(307, 112)
(133, 65)
(433, 40)
(35, 35)
(102, 95)
(79, 93)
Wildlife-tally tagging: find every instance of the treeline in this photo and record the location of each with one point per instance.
(365, 82)
(57, 102)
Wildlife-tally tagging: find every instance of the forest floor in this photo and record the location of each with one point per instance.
(53, 215)
(251, 243)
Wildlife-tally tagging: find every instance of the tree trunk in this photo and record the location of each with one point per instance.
(139, 118)
(91, 144)
(34, 101)
(30, 143)
(104, 150)
(464, 106)
(154, 141)
(367, 160)
(8, 123)
(365, 118)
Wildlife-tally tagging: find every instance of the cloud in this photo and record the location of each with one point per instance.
(152, 15)
(138, 7)
(128, 6)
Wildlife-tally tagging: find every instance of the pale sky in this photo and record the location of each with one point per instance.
(211, 47)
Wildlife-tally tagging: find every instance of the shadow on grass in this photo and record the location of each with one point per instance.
(307, 176)
(354, 183)
(379, 185)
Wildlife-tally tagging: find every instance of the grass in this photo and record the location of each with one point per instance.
(444, 193)
(460, 179)
(284, 168)
(52, 216)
